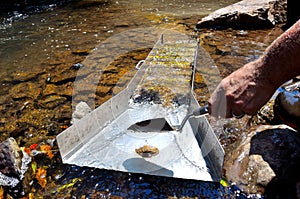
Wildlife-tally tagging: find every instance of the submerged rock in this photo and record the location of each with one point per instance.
(247, 14)
(81, 110)
(53, 101)
(17, 77)
(25, 90)
(65, 90)
(265, 157)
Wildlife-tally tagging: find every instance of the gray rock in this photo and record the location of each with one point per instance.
(247, 14)
(81, 110)
(10, 158)
(13, 163)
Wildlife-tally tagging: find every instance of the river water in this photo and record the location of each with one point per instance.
(39, 54)
(28, 39)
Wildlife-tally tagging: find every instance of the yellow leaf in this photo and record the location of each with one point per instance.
(71, 184)
(41, 176)
(224, 183)
(1, 192)
(33, 167)
(31, 196)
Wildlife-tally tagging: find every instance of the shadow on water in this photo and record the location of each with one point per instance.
(97, 183)
(29, 6)
(136, 163)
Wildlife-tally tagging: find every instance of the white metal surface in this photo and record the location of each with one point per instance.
(101, 139)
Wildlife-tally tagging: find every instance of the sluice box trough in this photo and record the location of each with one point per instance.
(161, 92)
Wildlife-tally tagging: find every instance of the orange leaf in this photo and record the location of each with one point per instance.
(64, 126)
(47, 149)
(27, 150)
(41, 176)
(1, 192)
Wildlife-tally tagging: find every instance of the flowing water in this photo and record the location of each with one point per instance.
(27, 40)
(40, 53)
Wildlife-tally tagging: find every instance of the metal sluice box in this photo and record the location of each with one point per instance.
(161, 88)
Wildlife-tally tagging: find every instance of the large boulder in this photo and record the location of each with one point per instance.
(266, 161)
(247, 14)
(10, 158)
(13, 163)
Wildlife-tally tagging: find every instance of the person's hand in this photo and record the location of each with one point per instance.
(244, 91)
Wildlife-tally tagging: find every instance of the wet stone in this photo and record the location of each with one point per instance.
(63, 90)
(117, 89)
(81, 52)
(36, 118)
(53, 101)
(141, 55)
(25, 90)
(81, 110)
(121, 24)
(223, 50)
(265, 155)
(125, 79)
(101, 100)
(103, 90)
(77, 66)
(24, 76)
(10, 158)
(88, 97)
(230, 63)
(112, 69)
(109, 79)
(287, 105)
(63, 114)
(87, 84)
(64, 77)
(246, 14)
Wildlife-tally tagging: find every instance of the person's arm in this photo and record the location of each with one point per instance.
(247, 89)
(282, 57)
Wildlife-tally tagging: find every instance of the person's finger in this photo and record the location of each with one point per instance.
(253, 106)
(218, 103)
